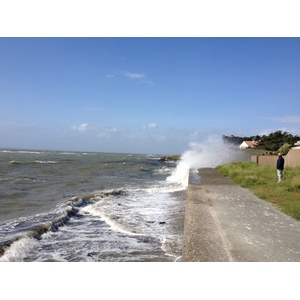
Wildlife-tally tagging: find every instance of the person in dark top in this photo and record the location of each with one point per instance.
(280, 166)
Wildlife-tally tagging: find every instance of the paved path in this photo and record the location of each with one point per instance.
(224, 222)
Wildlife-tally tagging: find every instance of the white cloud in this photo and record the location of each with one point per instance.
(103, 132)
(82, 127)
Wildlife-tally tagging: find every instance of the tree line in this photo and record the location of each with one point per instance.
(277, 141)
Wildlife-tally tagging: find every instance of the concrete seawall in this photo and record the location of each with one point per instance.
(224, 222)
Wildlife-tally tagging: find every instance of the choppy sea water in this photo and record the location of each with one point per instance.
(89, 207)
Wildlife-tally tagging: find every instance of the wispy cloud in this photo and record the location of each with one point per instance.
(286, 119)
(147, 82)
(139, 77)
(134, 75)
(110, 76)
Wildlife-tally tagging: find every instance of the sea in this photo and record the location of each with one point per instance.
(103, 209)
(59, 206)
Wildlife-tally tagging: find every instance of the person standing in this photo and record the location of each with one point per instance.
(280, 166)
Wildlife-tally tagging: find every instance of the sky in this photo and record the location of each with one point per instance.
(156, 79)
(145, 95)
(184, 73)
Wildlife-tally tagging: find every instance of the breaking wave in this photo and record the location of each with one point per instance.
(209, 154)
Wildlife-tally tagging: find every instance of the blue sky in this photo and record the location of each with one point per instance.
(145, 95)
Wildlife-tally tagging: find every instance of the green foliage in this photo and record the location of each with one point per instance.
(262, 182)
(275, 140)
(233, 141)
(284, 149)
(273, 143)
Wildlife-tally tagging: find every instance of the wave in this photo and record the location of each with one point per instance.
(30, 152)
(111, 221)
(22, 151)
(114, 208)
(72, 210)
(21, 236)
(36, 231)
(209, 154)
(45, 162)
(19, 249)
(15, 162)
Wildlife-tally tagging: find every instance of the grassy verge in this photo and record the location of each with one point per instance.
(262, 182)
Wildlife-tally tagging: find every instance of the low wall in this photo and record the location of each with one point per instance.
(292, 159)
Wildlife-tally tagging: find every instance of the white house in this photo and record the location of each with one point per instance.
(296, 145)
(247, 144)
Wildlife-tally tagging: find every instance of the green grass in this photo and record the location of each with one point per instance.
(254, 151)
(262, 182)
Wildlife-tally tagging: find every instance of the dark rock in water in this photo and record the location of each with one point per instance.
(170, 158)
(54, 228)
(84, 202)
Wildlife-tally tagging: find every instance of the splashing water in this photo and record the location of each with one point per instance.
(205, 155)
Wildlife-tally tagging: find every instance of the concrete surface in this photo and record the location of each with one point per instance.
(224, 222)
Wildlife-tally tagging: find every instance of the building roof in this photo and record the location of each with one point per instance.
(251, 143)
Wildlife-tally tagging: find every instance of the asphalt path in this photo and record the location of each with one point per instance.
(225, 222)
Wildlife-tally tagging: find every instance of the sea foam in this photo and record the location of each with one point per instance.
(208, 154)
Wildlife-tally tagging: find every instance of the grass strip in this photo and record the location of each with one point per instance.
(262, 182)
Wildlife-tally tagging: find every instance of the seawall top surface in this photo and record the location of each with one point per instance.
(224, 222)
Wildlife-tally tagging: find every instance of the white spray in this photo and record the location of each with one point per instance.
(209, 154)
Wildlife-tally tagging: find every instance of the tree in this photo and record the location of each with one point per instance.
(275, 140)
(284, 149)
(234, 141)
